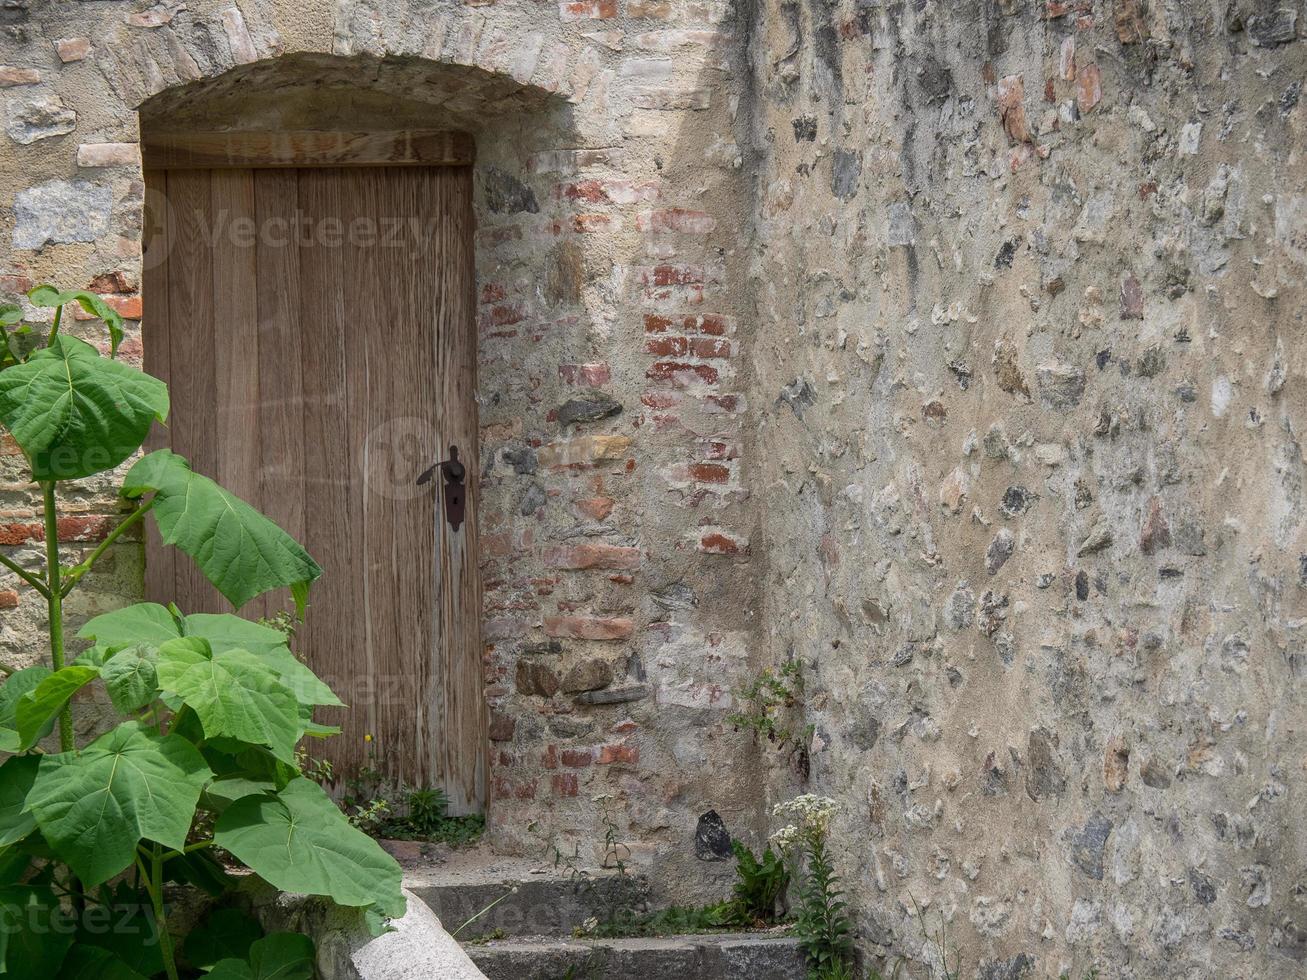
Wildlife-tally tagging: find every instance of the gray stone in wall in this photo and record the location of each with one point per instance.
(590, 409)
(30, 119)
(61, 211)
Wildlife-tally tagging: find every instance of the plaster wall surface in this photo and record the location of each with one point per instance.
(1029, 373)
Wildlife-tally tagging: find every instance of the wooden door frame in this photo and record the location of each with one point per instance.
(303, 148)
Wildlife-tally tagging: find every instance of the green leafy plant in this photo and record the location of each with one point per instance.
(395, 813)
(760, 885)
(205, 757)
(822, 923)
(771, 700)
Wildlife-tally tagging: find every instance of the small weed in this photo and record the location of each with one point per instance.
(770, 699)
(486, 937)
(397, 813)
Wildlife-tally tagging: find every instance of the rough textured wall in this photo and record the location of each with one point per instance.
(1030, 372)
(611, 208)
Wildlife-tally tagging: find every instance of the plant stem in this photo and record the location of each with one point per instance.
(26, 576)
(55, 602)
(54, 331)
(75, 574)
(160, 916)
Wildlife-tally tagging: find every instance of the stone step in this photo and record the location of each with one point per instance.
(730, 956)
(525, 901)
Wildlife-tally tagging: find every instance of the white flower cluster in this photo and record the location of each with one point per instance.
(785, 838)
(814, 815)
(812, 811)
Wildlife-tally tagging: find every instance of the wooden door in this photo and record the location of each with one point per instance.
(316, 326)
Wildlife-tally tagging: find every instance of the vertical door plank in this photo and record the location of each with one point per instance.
(376, 337)
(160, 560)
(465, 739)
(281, 394)
(191, 354)
(236, 340)
(331, 637)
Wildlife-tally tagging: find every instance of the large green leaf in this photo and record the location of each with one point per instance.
(16, 778)
(122, 922)
(85, 962)
(130, 679)
(34, 932)
(283, 956)
(75, 413)
(48, 296)
(299, 841)
(39, 707)
(96, 805)
(145, 624)
(238, 549)
(279, 956)
(151, 625)
(225, 934)
(233, 693)
(19, 683)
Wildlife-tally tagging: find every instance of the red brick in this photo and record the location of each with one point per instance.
(582, 556)
(565, 784)
(673, 275)
(506, 789)
(722, 403)
(12, 534)
(589, 627)
(587, 9)
(710, 347)
(15, 284)
(90, 527)
(577, 758)
(8, 599)
(653, 323)
(1089, 87)
(682, 375)
(111, 282)
(595, 508)
(660, 399)
(710, 473)
(666, 346)
(592, 375)
(584, 224)
(712, 324)
(128, 307)
(501, 316)
(606, 191)
(493, 292)
(676, 219)
(721, 543)
(622, 754)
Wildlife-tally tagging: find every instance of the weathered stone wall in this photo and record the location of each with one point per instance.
(612, 210)
(947, 347)
(1029, 361)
